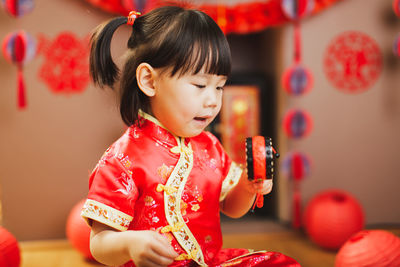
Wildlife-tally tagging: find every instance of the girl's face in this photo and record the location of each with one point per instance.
(186, 104)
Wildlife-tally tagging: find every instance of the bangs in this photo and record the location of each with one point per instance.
(194, 43)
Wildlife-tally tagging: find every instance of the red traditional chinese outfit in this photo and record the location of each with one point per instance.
(150, 179)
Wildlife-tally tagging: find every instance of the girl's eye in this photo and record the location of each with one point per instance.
(200, 86)
(220, 88)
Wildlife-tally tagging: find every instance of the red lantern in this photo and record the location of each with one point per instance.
(19, 48)
(297, 124)
(297, 80)
(396, 7)
(78, 231)
(10, 255)
(18, 8)
(331, 217)
(296, 9)
(370, 248)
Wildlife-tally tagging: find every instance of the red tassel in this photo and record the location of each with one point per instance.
(296, 207)
(297, 42)
(297, 167)
(21, 98)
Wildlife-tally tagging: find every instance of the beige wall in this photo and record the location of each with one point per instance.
(355, 142)
(49, 149)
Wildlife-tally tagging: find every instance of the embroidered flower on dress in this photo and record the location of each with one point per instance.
(164, 172)
(149, 201)
(195, 207)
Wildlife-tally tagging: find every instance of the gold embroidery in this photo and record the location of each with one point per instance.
(164, 172)
(167, 189)
(178, 226)
(231, 180)
(172, 202)
(195, 207)
(184, 256)
(102, 213)
(180, 149)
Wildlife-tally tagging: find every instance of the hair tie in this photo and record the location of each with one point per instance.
(132, 16)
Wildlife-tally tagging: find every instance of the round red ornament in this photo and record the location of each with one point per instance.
(18, 8)
(10, 255)
(297, 123)
(297, 80)
(331, 217)
(370, 248)
(296, 9)
(396, 7)
(19, 48)
(296, 165)
(353, 62)
(78, 231)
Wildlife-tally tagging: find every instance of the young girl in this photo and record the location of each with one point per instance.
(156, 194)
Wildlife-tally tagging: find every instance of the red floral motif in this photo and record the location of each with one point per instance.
(66, 63)
(353, 62)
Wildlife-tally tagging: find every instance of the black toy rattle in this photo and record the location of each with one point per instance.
(260, 156)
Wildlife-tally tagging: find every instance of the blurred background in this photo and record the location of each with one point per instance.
(344, 123)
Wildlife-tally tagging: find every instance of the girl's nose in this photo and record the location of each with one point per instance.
(211, 98)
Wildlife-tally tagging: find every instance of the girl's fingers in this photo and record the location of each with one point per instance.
(155, 259)
(163, 248)
(264, 187)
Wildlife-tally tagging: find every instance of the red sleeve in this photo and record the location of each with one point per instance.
(231, 172)
(112, 193)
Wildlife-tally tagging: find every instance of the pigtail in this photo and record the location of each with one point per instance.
(102, 68)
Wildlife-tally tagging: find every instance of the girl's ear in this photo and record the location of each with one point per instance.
(145, 76)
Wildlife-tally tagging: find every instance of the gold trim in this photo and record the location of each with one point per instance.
(172, 204)
(231, 180)
(94, 210)
(152, 119)
(237, 260)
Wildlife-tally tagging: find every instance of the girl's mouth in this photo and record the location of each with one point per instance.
(200, 118)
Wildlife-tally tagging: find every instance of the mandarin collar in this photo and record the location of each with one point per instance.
(152, 126)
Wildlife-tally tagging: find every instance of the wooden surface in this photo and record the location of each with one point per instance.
(59, 253)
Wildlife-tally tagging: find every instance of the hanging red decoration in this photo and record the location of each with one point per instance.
(10, 255)
(18, 8)
(353, 62)
(396, 46)
(19, 48)
(297, 124)
(78, 231)
(296, 9)
(331, 217)
(241, 18)
(297, 80)
(66, 63)
(396, 7)
(296, 166)
(370, 248)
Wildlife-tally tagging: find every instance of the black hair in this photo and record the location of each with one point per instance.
(174, 37)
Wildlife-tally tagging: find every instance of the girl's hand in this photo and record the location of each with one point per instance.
(263, 187)
(257, 187)
(149, 248)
